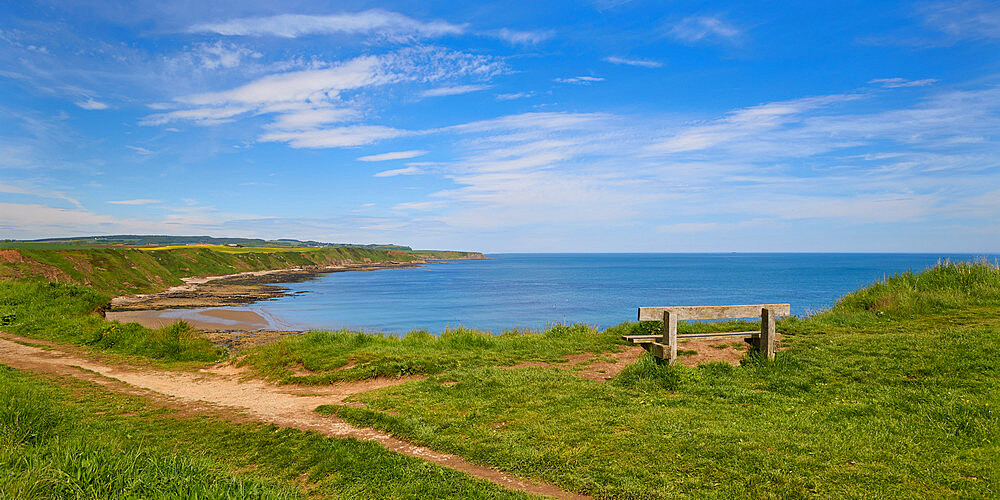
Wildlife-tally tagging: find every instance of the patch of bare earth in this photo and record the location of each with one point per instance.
(731, 350)
(691, 352)
(11, 256)
(34, 268)
(591, 366)
(226, 392)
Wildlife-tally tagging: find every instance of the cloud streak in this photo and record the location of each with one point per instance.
(694, 29)
(642, 63)
(374, 22)
(399, 171)
(580, 80)
(140, 201)
(895, 83)
(91, 105)
(455, 90)
(395, 155)
(323, 107)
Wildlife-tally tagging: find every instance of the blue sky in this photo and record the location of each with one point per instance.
(609, 125)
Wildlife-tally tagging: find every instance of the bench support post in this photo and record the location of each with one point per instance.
(767, 333)
(670, 336)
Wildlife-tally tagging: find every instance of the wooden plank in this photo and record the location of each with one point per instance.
(712, 312)
(670, 335)
(682, 336)
(657, 349)
(644, 341)
(767, 333)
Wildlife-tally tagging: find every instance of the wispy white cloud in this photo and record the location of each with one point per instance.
(892, 83)
(453, 90)
(223, 55)
(552, 169)
(140, 201)
(292, 116)
(419, 205)
(375, 22)
(35, 219)
(644, 63)
(608, 4)
(696, 28)
(337, 137)
(395, 155)
(297, 86)
(943, 24)
(311, 108)
(141, 150)
(32, 190)
(514, 95)
(522, 37)
(748, 123)
(582, 80)
(91, 104)
(964, 19)
(400, 171)
(198, 116)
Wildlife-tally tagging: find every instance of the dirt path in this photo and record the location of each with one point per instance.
(281, 405)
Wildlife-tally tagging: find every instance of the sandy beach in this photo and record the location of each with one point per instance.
(202, 319)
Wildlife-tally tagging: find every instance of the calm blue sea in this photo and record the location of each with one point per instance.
(538, 290)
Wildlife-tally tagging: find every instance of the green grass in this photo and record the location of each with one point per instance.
(228, 249)
(444, 254)
(67, 313)
(73, 439)
(334, 356)
(944, 287)
(891, 393)
(345, 355)
(119, 271)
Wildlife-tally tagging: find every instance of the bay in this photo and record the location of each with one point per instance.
(539, 290)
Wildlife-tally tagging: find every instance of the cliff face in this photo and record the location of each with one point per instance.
(447, 255)
(124, 271)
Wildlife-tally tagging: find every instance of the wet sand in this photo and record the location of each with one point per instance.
(202, 319)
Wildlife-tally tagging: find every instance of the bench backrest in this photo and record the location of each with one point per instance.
(713, 312)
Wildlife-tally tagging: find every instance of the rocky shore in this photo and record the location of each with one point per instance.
(236, 289)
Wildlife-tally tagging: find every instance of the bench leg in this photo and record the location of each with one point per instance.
(670, 336)
(767, 333)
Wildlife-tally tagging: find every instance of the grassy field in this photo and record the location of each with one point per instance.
(893, 392)
(65, 438)
(55, 295)
(229, 249)
(126, 270)
(121, 271)
(66, 313)
(335, 356)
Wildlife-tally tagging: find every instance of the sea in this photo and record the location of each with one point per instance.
(535, 291)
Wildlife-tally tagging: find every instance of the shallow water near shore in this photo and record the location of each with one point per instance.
(539, 290)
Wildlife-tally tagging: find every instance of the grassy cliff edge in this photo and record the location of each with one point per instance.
(126, 270)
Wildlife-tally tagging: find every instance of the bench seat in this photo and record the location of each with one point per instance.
(681, 336)
(664, 346)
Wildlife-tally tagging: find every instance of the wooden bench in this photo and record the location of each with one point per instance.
(664, 346)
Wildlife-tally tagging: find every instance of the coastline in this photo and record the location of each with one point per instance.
(202, 300)
(236, 289)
